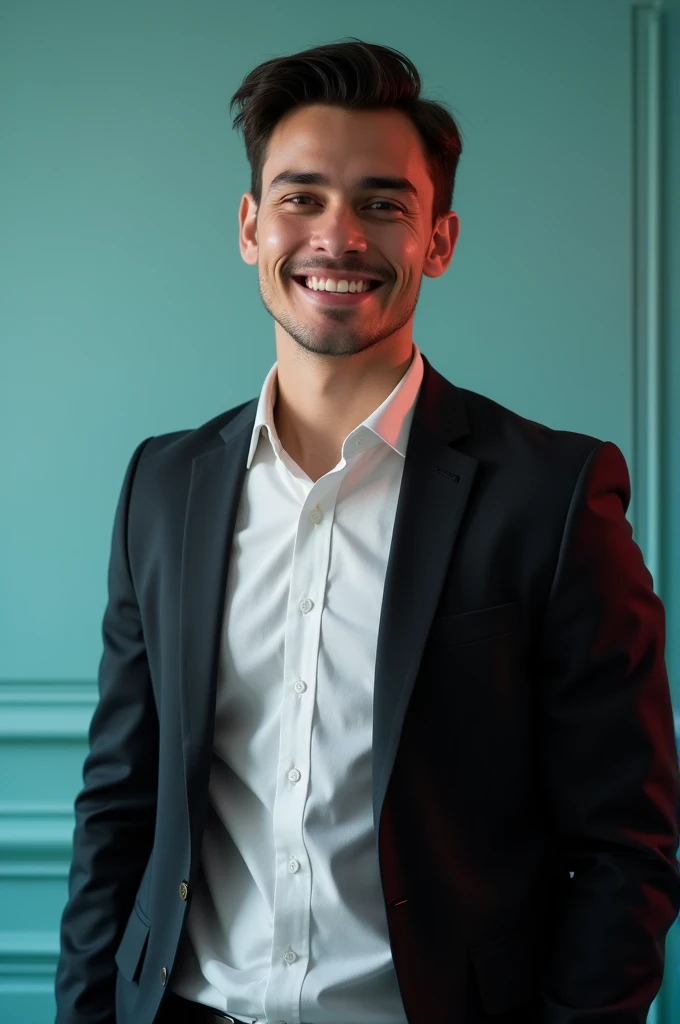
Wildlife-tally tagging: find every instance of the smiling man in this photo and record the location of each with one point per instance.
(384, 732)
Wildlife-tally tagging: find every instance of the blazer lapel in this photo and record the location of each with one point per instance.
(434, 492)
(212, 506)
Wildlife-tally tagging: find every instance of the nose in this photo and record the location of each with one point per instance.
(338, 231)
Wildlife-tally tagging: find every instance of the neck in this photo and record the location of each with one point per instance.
(320, 401)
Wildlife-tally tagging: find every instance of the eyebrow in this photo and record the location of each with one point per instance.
(369, 181)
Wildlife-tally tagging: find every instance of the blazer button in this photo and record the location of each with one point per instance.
(183, 890)
(164, 975)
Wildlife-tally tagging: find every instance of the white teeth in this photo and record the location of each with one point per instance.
(319, 284)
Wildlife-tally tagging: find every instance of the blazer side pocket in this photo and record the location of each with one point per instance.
(130, 953)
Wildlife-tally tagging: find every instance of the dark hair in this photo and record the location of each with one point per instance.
(357, 76)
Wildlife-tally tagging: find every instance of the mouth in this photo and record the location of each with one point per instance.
(325, 298)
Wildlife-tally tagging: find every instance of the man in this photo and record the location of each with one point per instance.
(384, 730)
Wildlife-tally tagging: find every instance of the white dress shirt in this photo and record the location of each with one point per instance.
(287, 922)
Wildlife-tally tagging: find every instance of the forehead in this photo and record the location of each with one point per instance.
(346, 143)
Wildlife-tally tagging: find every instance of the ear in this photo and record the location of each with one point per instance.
(247, 218)
(442, 244)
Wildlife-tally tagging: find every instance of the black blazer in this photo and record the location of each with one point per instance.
(523, 729)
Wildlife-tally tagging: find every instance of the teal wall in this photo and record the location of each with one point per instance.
(126, 310)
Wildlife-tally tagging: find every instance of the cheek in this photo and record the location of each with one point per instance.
(272, 239)
(412, 249)
(280, 236)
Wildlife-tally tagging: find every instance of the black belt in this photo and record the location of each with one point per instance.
(177, 1010)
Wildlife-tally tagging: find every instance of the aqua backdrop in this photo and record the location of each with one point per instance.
(126, 310)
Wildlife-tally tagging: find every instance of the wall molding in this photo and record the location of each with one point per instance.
(36, 836)
(647, 350)
(649, 496)
(35, 840)
(46, 710)
(647, 402)
(28, 956)
(47, 691)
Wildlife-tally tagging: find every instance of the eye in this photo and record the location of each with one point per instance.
(376, 202)
(385, 202)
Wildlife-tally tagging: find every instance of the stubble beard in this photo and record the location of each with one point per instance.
(338, 337)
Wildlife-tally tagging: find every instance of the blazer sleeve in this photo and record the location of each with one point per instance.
(115, 809)
(609, 760)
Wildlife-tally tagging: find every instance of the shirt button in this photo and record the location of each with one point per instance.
(289, 956)
(293, 865)
(306, 605)
(300, 686)
(183, 890)
(164, 975)
(294, 775)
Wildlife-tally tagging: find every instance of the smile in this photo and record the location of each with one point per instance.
(324, 298)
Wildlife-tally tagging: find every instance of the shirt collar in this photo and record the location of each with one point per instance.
(390, 422)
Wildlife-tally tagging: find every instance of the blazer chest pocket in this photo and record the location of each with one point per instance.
(471, 627)
(129, 956)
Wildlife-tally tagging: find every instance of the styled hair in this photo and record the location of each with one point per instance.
(356, 76)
